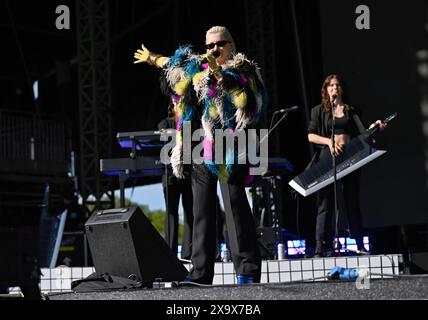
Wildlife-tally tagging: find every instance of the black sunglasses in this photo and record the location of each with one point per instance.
(221, 43)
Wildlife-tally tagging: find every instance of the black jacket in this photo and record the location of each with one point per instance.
(318, 123)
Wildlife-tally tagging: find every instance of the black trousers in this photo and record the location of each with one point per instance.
(178, 188)
(239, 223)
(351, 199)
(221, 231)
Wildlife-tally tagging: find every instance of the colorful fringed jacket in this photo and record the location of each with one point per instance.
(236, 103)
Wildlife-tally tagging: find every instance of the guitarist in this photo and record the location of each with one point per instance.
(347, 125)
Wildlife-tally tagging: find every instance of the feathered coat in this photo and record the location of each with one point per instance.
(235, 103)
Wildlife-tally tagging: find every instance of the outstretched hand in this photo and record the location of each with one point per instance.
(142, 55)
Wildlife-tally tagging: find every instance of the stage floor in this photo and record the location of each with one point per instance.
(397, 288)
(58, 280)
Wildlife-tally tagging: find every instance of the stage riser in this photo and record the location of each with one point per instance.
(273, 271)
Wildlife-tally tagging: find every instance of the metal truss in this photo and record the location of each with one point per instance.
(93, 46)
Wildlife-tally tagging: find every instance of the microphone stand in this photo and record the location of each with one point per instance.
(275, 219)
(276, 124)
(336, 243)
(285, 113)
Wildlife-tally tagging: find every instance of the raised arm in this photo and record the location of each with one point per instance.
(151, 58)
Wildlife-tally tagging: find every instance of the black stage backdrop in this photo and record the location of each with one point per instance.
(385, 67)
(386, 70)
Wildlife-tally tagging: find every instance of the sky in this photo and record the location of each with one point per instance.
(152, 196)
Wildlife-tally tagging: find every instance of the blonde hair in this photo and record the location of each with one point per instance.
(226, 34)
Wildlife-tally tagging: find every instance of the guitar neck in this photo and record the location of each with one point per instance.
(372, 131)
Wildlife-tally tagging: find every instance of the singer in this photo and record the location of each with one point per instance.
(347, 126)
(221, 89)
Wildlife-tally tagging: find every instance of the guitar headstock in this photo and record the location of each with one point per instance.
(392, 116)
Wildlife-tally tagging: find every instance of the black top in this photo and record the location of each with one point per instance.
(342, 125)
(320, 122)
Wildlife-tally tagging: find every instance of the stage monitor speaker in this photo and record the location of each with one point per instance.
(125, 244)
(419, 263)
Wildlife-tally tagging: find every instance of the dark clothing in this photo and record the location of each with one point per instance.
(236, 103)
(341, 125)
(176, 188)
(351, 199)
(173, 189)
(239, 224)
(320, 124)
(221, 230)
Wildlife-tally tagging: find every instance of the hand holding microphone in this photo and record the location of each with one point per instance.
(211, 58)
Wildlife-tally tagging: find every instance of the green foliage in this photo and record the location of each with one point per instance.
(156, 217)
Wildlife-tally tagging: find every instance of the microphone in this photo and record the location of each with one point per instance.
(216, 54)
(333, 99)
(295, 108)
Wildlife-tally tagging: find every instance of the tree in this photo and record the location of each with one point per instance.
(156, 217)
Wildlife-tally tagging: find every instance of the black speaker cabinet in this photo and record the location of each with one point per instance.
(419, 262)
(125, 244)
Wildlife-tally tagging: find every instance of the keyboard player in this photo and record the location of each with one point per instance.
(347, 125)
(173, 189)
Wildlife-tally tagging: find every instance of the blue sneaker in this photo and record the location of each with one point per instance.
(244, 279)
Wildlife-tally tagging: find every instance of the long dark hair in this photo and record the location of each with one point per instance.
(325, 98)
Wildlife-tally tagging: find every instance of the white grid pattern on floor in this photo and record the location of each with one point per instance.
(316, 269)
(273, 271)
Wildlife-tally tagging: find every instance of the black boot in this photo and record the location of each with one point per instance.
(319, 249)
